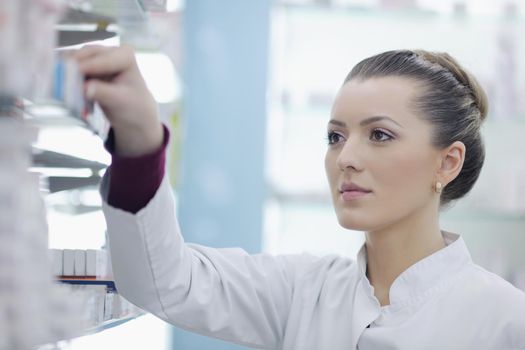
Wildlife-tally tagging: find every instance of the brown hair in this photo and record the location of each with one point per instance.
(452, 100)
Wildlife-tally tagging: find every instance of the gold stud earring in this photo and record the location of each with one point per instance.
(439, 187)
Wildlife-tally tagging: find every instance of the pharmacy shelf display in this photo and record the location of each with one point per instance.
(51, 295)
(92, 20)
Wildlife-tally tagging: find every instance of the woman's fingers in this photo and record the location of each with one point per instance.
(106, 61)
(87, 51)
(104, 93)
(115, 83)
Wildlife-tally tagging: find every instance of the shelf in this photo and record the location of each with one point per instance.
(126, 313)
(403, 10)
(112, 323)
(154, 5)
(49, 161)
(43, 158)
(87, 281)
(128, 9)
(66, 141)
(80, 25)
(125, 11)
(76, 37)
(59, 183)
(74, 16)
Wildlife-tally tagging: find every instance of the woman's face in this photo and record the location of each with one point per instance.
(379, 143)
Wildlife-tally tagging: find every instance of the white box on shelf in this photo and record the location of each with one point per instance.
(80, 262)
(108, 306)
(57, 260)
(96, 263)
(99, 300)
(104, 264)
(68, 262)
(91, 262)
(94, 296)
(117, 306)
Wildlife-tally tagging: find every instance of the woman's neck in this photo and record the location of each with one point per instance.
(393, 249)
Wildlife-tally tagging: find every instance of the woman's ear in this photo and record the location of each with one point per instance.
(452, 159)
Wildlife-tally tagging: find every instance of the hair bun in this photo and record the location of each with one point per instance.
(462, 75)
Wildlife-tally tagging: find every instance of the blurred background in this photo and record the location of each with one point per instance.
(246, 88)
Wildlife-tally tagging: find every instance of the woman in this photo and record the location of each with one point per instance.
(403, 141)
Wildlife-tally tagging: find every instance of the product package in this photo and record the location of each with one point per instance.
(68, 90)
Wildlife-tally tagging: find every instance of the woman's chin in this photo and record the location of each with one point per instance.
(353, 224)
(352, 219)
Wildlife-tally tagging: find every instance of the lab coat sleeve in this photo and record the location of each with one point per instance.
(224, 293)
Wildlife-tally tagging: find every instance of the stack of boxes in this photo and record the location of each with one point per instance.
(81, 263)
(89, 272)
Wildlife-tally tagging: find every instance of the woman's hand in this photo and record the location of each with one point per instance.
(114, 81)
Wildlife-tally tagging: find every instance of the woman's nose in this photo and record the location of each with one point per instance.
(349, 156)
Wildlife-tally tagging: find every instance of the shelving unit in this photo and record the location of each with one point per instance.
(108, 19)
(86, 21)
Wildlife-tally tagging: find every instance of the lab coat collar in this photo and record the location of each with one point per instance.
(429, 273)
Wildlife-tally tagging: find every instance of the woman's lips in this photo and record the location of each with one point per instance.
(353, 195)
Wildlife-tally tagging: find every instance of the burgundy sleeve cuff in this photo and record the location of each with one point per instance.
(133, 181)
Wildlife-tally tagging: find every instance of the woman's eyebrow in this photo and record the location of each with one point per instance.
(364, 122)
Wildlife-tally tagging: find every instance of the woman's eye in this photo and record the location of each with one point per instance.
(380, 136)
(333, 138)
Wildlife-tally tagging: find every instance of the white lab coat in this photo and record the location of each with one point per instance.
(444, 301)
